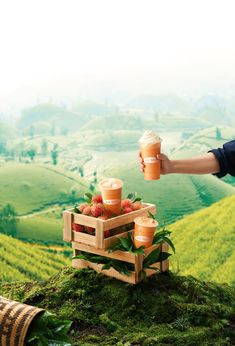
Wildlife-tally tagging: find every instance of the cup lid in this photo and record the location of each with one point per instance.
(111, 183)
(145, 221)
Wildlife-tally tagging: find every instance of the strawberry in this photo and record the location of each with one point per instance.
(97, 199)
(137, 205)
(107, 233)
(82, 206)
(90, 230)
(107, 213)
(97, 209)
(87, 210)
(126, 203)
(77, 228)
(127, 210)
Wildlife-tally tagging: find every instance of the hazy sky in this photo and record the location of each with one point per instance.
(46, 40)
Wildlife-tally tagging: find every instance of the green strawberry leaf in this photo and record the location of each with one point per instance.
(88, 197)
(140, 250)
(151, 215)
(80, 257)
(163, 256)
(132, 196)
(153, 257)
(169, 242)
(106, 266)
(126, 243)
(76, 210)
(143, 275)
(138, 199)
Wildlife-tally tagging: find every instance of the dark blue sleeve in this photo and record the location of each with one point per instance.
(226, 158)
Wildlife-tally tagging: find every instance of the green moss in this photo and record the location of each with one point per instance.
(165, 310)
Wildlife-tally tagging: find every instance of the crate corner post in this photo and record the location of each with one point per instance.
(165, 264)
(99, 234)
(67, 231)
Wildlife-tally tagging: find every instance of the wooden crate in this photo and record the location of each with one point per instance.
(100, 226)
(137, 261)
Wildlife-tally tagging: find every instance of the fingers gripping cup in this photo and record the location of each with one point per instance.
(150, 147)
(111, 191)
(144, 230)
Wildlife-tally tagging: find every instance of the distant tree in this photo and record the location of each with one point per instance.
(75, 193)
(54, 154)
(95, 177)
(92, 187)
(81, 171)
(31, 131)
(31, 152)
(218, 134)
(8, 220)
(44, 147)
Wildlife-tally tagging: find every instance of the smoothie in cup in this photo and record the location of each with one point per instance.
(111, 191)
(144, 230)
(150, 147)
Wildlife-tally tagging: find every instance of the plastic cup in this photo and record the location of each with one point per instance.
(144, 230)
(151, 163)
(111, 191)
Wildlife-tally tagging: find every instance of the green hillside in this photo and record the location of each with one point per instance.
(204, 140)
(205, 242)
(30, 187)
(136, 123)
(20, 261)
(175, 195)
(165, 310)
(40, 228)
(54, 115)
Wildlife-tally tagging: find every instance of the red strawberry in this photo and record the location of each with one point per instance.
(107, 213)
(127, 210)
(90, 230)
(126, 203)
(87, 210)
(82, 206)
(97, 199)
(97, 209)
(77, 228)
(107, 233)
(137, 205)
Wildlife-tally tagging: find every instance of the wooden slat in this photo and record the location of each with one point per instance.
(128, 218)
(84, 238)
(150, 249)
(111, 240)
(151, 272)
(110, 272)
(119, 255)
(86, 220)
(68, 219)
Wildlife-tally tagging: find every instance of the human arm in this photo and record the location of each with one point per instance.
(202, 164)
(219, 161)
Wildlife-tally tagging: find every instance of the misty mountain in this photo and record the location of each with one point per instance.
(162, 103)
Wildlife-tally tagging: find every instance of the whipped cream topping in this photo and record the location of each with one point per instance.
(148, 138)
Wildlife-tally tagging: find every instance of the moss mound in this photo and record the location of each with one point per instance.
(165, 310)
